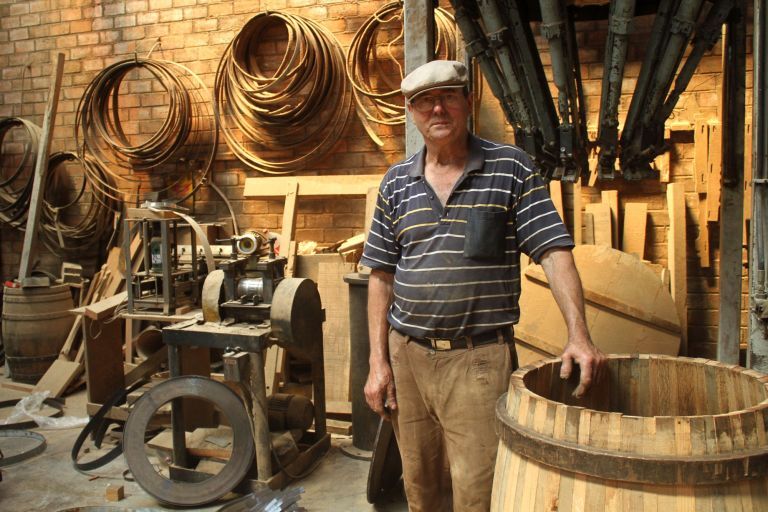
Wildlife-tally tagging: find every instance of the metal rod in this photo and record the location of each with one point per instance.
(757, 355)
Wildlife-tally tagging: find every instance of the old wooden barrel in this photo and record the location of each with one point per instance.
(660, 433)
(35, 324)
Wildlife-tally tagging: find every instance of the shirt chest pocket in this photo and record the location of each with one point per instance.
(485, 237)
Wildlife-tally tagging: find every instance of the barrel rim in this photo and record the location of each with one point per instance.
(626, 466)
(738, 462)
(517, 381)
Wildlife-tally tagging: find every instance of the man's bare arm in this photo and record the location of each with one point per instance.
(380, 387)
(566, 287)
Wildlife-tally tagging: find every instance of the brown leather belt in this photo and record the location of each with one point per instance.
(500, 335)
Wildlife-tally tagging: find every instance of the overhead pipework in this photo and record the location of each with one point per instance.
(499, 35)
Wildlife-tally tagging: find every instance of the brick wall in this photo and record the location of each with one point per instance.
(195, 33)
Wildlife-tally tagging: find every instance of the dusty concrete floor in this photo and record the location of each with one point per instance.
(48, 482)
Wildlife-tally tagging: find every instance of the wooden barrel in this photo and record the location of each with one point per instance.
(35, 324)
(660, 433)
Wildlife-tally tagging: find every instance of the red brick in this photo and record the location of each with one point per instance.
(103, 23)
(59, 29)
(80, 26)
(128, 20)
(114, 8)
(18, 9)
(18, 34)
(88, 38)
(24, 46)
(216, 10)
(38, 32)
(109, 36)
(71, 14)
(206, 25)
(133, 33)
(157, 30)
(199, 11)
(136, 6)
(29, 20)
(147, 18)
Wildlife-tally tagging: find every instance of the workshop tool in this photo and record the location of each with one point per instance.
(164, 284)
(248, 305)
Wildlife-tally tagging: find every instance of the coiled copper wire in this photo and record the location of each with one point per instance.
(279, 122)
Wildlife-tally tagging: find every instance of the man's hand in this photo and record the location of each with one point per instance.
(565, 284)
(590, 359)
(380, 390)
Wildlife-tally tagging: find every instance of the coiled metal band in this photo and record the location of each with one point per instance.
(280, 123)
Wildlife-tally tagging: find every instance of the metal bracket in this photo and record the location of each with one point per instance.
(681, 26)
(552, 30)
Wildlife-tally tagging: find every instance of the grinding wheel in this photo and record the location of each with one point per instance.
(297, 314)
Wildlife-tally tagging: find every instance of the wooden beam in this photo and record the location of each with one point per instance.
(611, 198)
(635, 221)
(576, 189)
(676, 257)
(311, 186)
(588, 237)
(714, 173)
(601, 216)
(288, 234)
(702, 241)
(419, 44)
(700, 155)
(556, 192)
(41, 167)
(370, 207)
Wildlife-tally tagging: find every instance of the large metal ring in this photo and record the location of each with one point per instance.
(188, 493)
(22, 434)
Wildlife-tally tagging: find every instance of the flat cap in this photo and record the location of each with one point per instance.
(436, 74)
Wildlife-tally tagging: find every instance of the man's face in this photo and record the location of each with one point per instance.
(441, 115)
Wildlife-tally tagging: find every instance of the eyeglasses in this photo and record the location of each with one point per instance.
(426, 103)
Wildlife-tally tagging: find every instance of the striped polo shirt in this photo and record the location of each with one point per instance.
(443, 287)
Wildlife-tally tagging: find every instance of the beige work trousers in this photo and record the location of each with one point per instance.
(444, 422)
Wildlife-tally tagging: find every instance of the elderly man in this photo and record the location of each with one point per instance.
(444, 249)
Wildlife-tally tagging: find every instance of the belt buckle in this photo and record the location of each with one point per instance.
(440, 343)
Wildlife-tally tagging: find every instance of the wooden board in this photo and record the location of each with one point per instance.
(588, 238)
(635, 221)
(314, 186)
(676, 255)
(288, 229)
(556, 193)
(576, 189)
(611, 198)
(628, 309)
(601, 217)
(700, 155)
(714, 172)
(702, 240)
(747, 181)
(59, 377)
(327, 270)
(202, 442)
(370, 206)
(103, 359)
